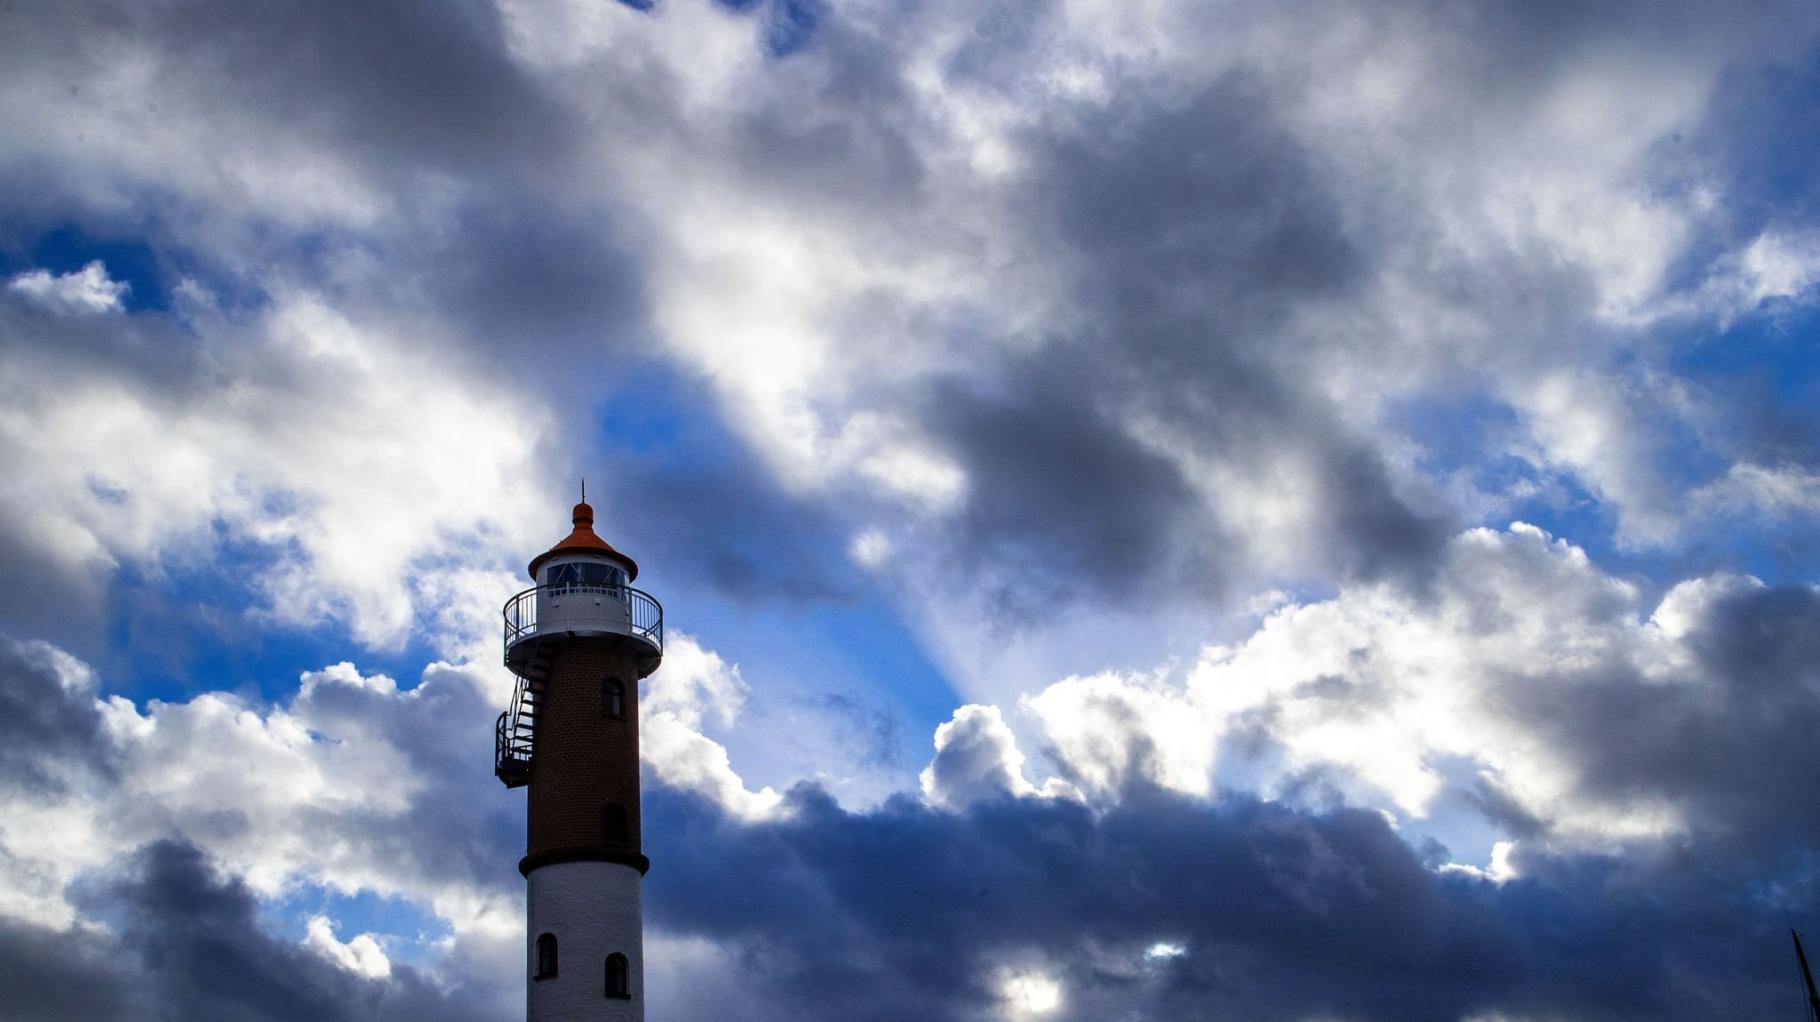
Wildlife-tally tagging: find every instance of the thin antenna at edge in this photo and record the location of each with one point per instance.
(1807, 978)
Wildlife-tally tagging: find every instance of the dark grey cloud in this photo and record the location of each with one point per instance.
(1729, 745)
(684, 491)
(52, 600)
(734, 530)
(1189, 231)
(547, 293)
(48, 734)
(202, 954)
(189, 946)
(396, 86)
(1196, 231)
(1062, 504)
(1758, 131)
(848, 147)
(478, 223)
(50, 977)
(1282, 914)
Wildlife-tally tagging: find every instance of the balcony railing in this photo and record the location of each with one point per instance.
(571, 607)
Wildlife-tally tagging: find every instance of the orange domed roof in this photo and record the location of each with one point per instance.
(583, 540)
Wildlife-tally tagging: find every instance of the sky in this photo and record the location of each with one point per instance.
(1165, 510)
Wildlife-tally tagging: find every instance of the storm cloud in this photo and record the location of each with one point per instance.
(190, 946)
(1172, 908)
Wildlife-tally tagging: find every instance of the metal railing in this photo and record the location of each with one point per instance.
(511, 749)
(645, 615)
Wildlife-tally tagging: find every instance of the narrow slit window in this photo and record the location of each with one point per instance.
(619, 976)
(546, 956)
(618, 828)
(613, 698)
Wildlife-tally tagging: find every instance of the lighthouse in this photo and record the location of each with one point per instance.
(579, 641)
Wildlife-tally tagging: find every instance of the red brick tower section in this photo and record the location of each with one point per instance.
(580, 640)
(584, 759)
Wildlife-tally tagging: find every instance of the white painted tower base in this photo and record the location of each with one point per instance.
(594, 909)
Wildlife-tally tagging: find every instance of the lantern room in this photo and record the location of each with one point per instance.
(582, 588)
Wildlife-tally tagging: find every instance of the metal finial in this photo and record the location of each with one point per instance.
(584, 489)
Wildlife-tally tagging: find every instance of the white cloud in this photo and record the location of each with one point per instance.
(361, 956)
(311, 792)
(1382, 686)
(345, 785)
(1689, 603)
(1164, 950)
(351, 460)
(223, 162)
(1775, 266)
(1376, 690)
(1774, 491)
(689, 760)
(1498, 871)
(1030, 994)
(1780, 265)
(86, 291)
(695, 686)
(870, 548)
(976, 759)
(1590, 426)
(1109, 730)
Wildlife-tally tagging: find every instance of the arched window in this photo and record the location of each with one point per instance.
(546, 956)
(619, 976)
(613, 698)
(618, 830)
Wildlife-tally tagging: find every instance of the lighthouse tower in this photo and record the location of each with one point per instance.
(579, 641)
